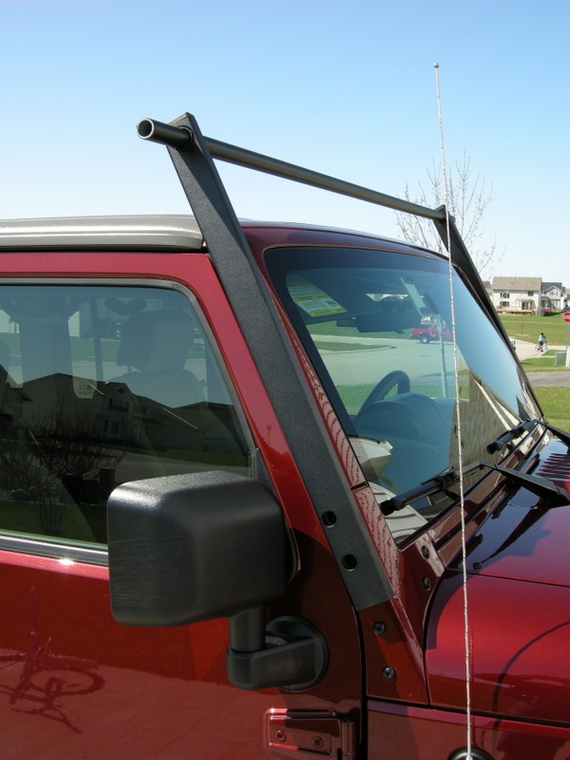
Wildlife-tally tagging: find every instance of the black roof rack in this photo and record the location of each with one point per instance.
(182, 133)
(192, 154)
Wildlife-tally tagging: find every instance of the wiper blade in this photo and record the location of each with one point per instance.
(439, 484)
(546, 489)
(500, 442)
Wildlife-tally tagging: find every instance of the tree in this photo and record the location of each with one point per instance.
(468, 200)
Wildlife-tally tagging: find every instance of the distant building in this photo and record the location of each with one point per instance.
(527, 295)
(553, 297)
(517, 295)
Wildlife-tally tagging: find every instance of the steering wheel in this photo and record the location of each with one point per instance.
(396, 378)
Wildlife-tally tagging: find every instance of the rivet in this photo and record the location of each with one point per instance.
(389, 673)
(318, 742)
(329, 518)
(349, 561)
(379, 627)
(425, 551)
(426, 583)
(280, 736)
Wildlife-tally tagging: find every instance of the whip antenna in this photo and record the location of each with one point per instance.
(467, 642)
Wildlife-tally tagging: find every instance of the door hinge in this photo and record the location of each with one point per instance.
(310, 734)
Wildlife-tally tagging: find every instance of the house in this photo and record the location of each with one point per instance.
(517, 295)
(553, 297)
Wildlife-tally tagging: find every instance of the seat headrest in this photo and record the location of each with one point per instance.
(154, 341)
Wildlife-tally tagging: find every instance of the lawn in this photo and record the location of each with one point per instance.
(555, 403)
(527, 327)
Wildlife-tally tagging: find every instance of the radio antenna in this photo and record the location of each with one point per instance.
(467, 642)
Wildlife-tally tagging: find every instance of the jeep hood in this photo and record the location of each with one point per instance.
(518, 593)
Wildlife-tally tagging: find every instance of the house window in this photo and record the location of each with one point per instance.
(504, 304)
(530, 293)
(505, 294)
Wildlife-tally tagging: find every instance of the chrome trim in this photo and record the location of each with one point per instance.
(53, 549)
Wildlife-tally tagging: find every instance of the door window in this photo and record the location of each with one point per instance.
(99, 385)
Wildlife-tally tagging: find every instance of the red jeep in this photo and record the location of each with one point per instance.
(241, 517)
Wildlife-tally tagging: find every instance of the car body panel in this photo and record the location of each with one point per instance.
(518, 591)
(73, 682)
(76, 683)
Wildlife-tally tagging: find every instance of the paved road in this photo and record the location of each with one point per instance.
(552, 378)
(368, 365)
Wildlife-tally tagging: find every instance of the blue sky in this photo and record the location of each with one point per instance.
(345, 88)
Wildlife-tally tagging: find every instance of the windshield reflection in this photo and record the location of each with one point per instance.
(378, 333)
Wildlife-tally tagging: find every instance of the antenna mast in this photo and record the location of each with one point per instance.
(467, 643)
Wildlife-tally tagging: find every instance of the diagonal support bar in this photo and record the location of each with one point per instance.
(366, 581)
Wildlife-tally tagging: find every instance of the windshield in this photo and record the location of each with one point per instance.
(377, 326)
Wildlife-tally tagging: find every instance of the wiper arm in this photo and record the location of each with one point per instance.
(546, 489)
(542, 487)
(500, 442)
(562, 435)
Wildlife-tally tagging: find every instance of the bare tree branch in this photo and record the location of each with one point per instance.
(468, 200)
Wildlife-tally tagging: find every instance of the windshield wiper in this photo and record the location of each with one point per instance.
(542, 487)
(508, 436)
(546, 489)
(439, 484)
(562, 435)
(500, 442)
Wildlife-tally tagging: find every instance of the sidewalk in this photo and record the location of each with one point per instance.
(526, 350)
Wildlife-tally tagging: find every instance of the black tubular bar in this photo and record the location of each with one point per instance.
(349, 538)
(166, 134)
(180, 137)
(242, 157)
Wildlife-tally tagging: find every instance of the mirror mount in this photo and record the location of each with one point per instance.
(294, 655)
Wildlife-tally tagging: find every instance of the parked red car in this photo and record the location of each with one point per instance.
(429, 330)
(233, 527)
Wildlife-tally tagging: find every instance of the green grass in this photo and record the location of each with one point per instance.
(543, 363)
(555, 403)
(527, 327)
(26, 517)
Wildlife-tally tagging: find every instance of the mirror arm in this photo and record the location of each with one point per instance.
(247, 630)
(292, 652)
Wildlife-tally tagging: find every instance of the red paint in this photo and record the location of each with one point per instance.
(74, 683)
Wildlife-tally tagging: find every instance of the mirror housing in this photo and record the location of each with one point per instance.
(193, 547)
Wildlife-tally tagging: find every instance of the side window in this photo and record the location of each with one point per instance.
(100, 385)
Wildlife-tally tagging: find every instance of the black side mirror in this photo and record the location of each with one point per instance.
(208, 545)
(195, 547)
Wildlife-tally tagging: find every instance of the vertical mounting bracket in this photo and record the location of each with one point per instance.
(252, 304)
